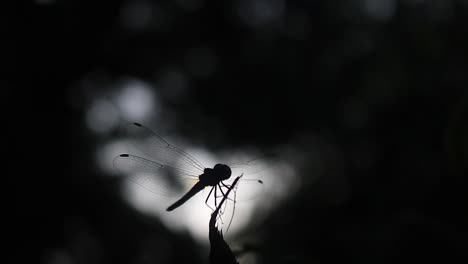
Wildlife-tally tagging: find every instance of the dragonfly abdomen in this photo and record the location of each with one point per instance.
(195, 189)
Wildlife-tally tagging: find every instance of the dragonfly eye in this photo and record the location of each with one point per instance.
(224, 169)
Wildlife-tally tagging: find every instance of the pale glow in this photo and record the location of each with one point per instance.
(380, 9)
(57, 256)
(193, 216)
(279, 180)
(136, 100)
(102, 116)
(261, 12)
(250, 258)
(105, 155)
(137, 15)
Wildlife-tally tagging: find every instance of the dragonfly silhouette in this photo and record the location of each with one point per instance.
(166, 166)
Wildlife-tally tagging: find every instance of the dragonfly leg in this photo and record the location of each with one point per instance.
(225, 204)
(215, 195)
(224, 194)
(219, 185)
(223, 210)
(226, 186)
(208, 197)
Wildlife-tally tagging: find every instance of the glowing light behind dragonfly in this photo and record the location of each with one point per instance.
(194, 215)
(279, 180)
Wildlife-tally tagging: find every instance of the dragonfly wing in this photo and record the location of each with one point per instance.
(158, 178)
(159, 150)
(246, 189)
(255, 171)
(252, 168)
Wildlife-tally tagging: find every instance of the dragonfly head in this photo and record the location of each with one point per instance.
(223, 170)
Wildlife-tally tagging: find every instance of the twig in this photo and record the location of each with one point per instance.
(220, 251)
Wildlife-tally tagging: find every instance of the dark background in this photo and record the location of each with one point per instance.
(376, 89)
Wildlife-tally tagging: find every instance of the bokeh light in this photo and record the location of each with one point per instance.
(261, 13)
(136, 101)
(102, 116)
(57, 256)
(137, 15)
(382, 10)
(106, 153)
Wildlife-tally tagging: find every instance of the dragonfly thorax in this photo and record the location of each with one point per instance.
(213, 176)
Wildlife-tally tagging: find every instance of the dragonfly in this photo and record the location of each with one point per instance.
(162, 167)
